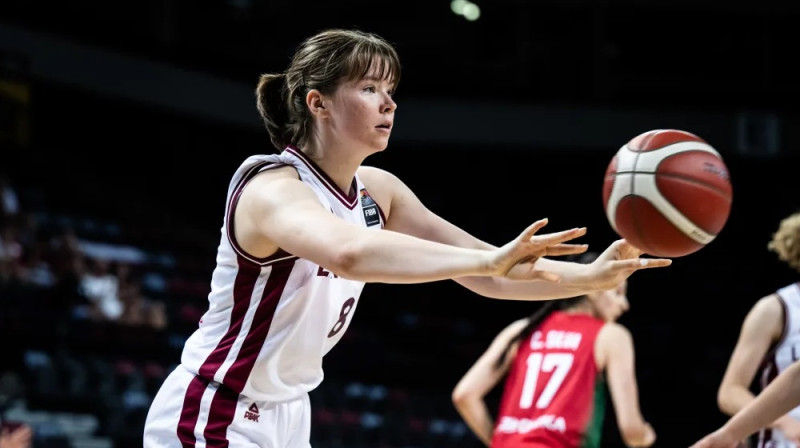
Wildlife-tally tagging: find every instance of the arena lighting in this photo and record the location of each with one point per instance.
(465, 8)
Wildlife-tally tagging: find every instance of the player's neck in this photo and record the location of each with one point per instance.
(337, 163)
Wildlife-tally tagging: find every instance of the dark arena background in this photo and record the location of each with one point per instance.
(121, 124)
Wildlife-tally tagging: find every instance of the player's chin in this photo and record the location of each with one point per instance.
(381, 145)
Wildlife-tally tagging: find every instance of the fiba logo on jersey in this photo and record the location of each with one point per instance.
(371, 215)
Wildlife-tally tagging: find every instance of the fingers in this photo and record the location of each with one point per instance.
(552, 239)
(640, 263)
(647, 263)
(566, 249)
(533, 228)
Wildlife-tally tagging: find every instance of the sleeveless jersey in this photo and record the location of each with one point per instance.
(271, 320)
(782, 355)
(554, 395)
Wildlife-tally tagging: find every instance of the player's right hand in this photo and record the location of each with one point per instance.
(617, 263)
(517, 259)
(717, 439)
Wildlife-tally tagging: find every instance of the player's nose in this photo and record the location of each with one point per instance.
(390, 105)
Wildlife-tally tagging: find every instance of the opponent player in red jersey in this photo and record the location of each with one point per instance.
(555, 361)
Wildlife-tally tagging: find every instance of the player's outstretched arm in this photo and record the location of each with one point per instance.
(468, 395)
(277, 210)
(761, 327)
(406, 214)
(781, 396)
(615, 355)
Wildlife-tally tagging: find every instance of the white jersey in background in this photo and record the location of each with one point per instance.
(785, 352)
(271, 320)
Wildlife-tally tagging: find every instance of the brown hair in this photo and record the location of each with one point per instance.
(321, 62)
(786, 241)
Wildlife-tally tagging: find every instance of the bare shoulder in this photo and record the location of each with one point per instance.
(614, 341)
(374, 177)
(369, 172)
(765, 318)
(281, 172)
(614, 333)
(281, 178)
(512, 329)
(517, 325)
(768, 306)
(382, 185)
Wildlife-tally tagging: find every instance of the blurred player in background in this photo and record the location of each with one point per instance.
(770, 333)
(556, 364)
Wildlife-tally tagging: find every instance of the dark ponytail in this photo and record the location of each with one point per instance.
(271, 102)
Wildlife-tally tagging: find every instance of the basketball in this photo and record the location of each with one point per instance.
(667, 192)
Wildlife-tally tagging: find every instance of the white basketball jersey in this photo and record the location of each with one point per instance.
(786, 352)
(271, 320)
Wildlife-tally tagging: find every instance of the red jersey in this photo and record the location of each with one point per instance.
(554, 396)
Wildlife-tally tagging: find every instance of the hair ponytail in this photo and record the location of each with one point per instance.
(271, 96)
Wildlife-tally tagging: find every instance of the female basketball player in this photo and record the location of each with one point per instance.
(306, 228)
(771, 333)
(555, 364)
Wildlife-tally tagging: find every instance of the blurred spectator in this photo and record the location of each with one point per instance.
(101, 286)
(9, 200)
(10, 252)
(66, 266)
(34, 269)
(139, 310)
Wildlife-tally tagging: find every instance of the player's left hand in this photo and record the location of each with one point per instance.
(617, 263)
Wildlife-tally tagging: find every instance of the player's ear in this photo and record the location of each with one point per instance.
(316, 103)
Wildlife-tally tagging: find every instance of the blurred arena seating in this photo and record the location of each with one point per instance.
(89, 376)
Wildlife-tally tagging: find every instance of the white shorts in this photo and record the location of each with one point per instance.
(191, 412)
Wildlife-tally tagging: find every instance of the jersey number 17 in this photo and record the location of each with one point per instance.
(557, 363)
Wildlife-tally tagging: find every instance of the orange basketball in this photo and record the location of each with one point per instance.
(667, 192)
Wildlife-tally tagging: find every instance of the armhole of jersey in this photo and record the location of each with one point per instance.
(784, 331)
(280, 254)
(600, 370)
(513, 351)
(383, 216)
